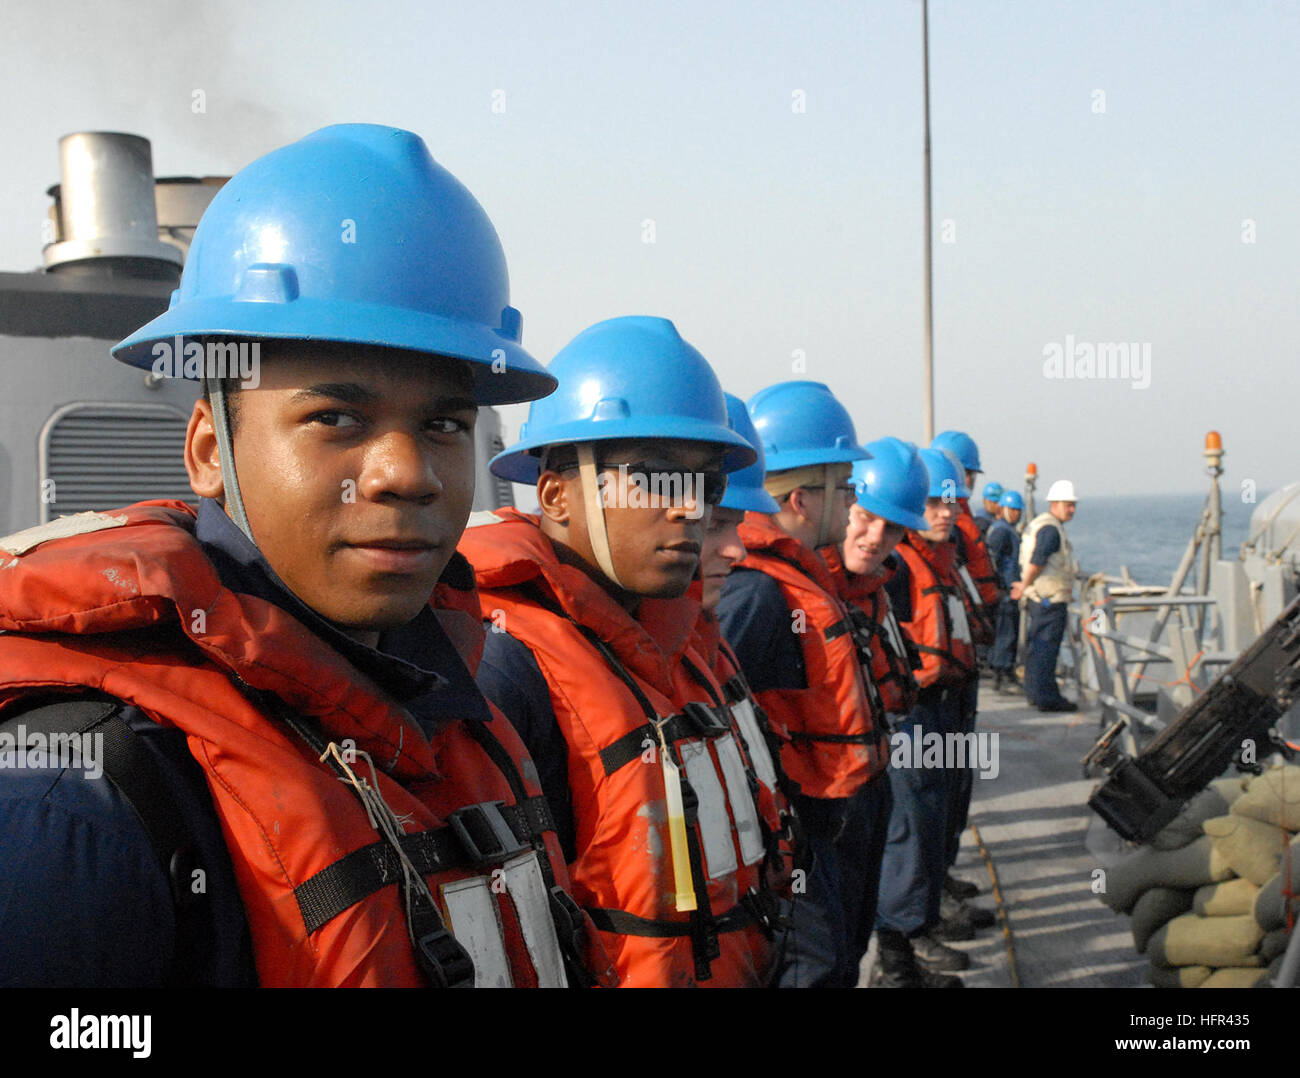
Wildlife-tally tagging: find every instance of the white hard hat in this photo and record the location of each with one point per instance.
(1061, 491)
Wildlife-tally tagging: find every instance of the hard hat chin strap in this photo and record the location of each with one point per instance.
(828, 491)
(595, 511)
(225, 446)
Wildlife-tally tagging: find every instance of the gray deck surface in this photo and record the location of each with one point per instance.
(1033, 820)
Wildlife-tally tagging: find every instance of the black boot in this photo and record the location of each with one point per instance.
(896, 965)
(959, 889)
(957, 915)
(932, 955)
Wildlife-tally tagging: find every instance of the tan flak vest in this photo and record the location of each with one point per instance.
(1056, 580)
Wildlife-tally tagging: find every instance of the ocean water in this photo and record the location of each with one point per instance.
(1149, 533)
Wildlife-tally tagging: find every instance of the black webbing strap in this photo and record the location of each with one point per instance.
(361, 873)
(628, 747)
(695, 720)
(469, 841)
(771, 553)
(703, 681)
(834, 632)
(943, 655)
(927, 650)
(136, 775)
(628, 924)
(838, 739)
(733, 689)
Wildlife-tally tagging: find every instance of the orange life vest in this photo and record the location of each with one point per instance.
(939, 627)
(138, 612)
(881, 639)
(763, 749)
(617, 683)
(834, 734)
(980, 590)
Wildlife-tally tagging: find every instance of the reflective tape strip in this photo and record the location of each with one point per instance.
(895, 635)
(957, 615)
(472, 919)
(527, 890)
(743, 809)
(969, 584)
(755, 742)
(714, 821)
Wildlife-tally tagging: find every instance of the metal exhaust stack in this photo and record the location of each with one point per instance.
(104, 213)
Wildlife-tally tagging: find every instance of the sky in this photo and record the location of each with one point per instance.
(1104, 174)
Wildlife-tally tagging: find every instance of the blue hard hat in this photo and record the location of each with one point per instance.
(947, 478)
(962, 446)
(1012, 500)
(802, 423)
(630, 377)
(893, 483)
(992, 492)
(745, 487)
(355, 235)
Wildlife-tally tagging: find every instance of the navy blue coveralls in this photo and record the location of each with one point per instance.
(1003, 543)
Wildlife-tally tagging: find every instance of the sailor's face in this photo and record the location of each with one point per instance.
(655, 547)
(813, 504)
(1063, 511)
(722, 550)
(357, 474)
(939, 515)
(869, 541)
(1011, 516)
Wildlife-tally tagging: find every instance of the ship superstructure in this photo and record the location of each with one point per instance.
(79, 431)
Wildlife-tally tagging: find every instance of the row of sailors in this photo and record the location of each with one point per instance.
(639, 737)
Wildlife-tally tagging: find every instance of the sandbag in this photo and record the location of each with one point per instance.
(1206, 941)
(1186, 826)
(1227, 899)
(1235, 977)
(1272, 798)
(1195, 864)
(1253, 849)
(1157, 906)
(1273, 944)
(1230, 789)
(1270, 907)
(1182, 977)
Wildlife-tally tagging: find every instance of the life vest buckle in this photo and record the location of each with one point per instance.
(733, 690)
(765, 910)
(484, 834)
(444, 960)
(705, 719)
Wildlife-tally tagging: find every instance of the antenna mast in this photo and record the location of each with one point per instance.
(929, 234)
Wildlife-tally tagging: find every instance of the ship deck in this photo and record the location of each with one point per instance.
(1033, 822)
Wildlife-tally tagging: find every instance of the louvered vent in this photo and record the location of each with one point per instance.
(104, 456)
(504, 491)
